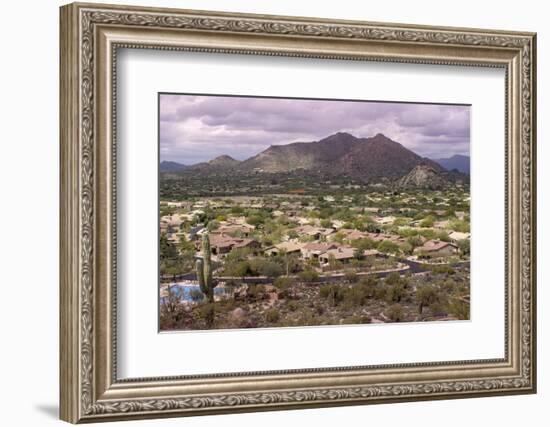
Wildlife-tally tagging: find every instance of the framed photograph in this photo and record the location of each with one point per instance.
(267, 212)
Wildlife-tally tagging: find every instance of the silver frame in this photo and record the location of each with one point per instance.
(90, 37)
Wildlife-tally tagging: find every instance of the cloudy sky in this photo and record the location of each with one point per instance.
(198, 128)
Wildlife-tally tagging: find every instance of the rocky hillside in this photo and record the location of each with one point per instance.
(340, 154)
(220, 163)
(426, 177)
(373, 159)
(422, 176)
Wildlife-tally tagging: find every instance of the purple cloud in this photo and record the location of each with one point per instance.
(198, 128)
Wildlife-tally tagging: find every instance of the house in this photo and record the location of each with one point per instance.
(241, 229)
(201, 204)
(456, 236)
(372, 210)
(379, 237)
(222, 244)
(353, 234)
(170, 222)
(343, 254)
(312, 231)
(314, 249)
(285, 247)
(196, 232)
(174, 204)
(174, 238)
(436, 249)
(336, 223)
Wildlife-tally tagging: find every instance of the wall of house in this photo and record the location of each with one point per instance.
(29, 171)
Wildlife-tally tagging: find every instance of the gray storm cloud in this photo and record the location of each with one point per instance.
(198, 128)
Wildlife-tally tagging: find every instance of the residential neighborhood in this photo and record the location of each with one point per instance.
(269, 244)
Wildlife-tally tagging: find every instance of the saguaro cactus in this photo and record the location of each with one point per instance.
(204, 270)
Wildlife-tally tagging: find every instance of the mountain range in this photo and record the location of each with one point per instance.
(168, 166)
(458, 161)
(340, 154)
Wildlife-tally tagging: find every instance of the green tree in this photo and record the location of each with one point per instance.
(388, 247)
(185, 245)
(407, 248)
(414, 241)
(427, 222)
(326, 223)
(464, 246)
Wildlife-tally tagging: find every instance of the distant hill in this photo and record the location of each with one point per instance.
(218, 164)
(422, 176)
(458, 162)
(426, 177)
(340, 154)
(168, 166)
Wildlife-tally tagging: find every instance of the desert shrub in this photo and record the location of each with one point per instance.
(449, 285)
(443, 236)
(355, 296)
(206, 313)
(464, 246)
(364, 243)
(356, 320)
(427, 222)
(334, 294)
(426, 295)
(351, 276)
(283, 284)
(395, 292)
(255, 292)
(393, 278)
(395, 313)
(459, 309)
(461, 226)
(386, 246)
(272, 315)
(265, 267)
(306, 318)
(308, 275)
(442, 269)
(172, 312)
(370, 284)
(292, 305)
(407, 248)
(414, 241)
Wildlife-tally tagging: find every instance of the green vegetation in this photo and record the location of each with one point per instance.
(259, 254)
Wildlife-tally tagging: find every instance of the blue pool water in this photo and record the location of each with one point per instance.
(185, 291)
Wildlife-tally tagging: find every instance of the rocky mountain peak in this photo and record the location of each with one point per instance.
(423, 176)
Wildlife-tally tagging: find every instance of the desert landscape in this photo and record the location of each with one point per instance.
(343, 230)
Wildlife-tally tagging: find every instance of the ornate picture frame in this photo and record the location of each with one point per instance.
(90, 37)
